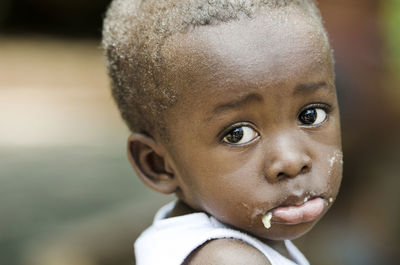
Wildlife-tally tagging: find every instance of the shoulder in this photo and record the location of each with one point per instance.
(226, 251)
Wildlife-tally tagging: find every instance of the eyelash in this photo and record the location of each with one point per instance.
(321, 105)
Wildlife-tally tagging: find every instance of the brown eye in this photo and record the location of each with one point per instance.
(240, 135)
(312, 116)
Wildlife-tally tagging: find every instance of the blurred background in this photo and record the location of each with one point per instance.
(67, 192)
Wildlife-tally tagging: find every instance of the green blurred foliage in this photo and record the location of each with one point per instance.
(391, 23)
(390, 18)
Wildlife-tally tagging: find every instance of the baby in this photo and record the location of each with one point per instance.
(232, 106)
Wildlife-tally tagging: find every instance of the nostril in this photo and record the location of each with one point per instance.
(304, 170)
(281, 175)
(286, 169)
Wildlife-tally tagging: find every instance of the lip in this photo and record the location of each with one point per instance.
(299, 211)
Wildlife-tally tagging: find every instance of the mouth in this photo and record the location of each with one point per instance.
(308, 210)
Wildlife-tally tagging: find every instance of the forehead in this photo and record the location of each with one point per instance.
(281, 46)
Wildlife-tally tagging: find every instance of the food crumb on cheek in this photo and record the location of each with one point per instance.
(337, 157)
(266, 219)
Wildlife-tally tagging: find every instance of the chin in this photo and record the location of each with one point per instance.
(287, 232)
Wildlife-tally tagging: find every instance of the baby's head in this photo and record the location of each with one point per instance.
(232, 106)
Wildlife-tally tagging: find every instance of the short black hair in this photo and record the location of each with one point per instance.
(134, 32)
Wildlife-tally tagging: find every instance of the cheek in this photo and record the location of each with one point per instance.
(330, 171)
(236, 194)
(335, 163)
(335, 170)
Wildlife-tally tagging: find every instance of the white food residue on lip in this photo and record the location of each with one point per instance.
(330, 200)
(266, 219)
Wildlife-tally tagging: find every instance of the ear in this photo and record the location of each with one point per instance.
(149, 163)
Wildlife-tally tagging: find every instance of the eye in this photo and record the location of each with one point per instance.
(313, 116)
(240, 135)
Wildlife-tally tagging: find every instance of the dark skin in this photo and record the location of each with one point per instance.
(241, 141)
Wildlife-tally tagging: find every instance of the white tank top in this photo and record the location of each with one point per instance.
(170, 240)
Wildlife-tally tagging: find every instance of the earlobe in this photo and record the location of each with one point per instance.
(149, 163)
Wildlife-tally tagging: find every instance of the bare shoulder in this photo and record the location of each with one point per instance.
(226, 251)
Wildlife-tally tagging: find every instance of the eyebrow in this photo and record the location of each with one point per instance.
(237, 103)
(254, 97)
(310, 87)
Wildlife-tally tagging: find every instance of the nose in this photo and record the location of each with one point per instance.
(286, 159)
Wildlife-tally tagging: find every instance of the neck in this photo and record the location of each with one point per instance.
(180, 209)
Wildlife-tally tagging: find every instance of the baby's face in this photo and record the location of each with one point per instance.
(256, 127)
